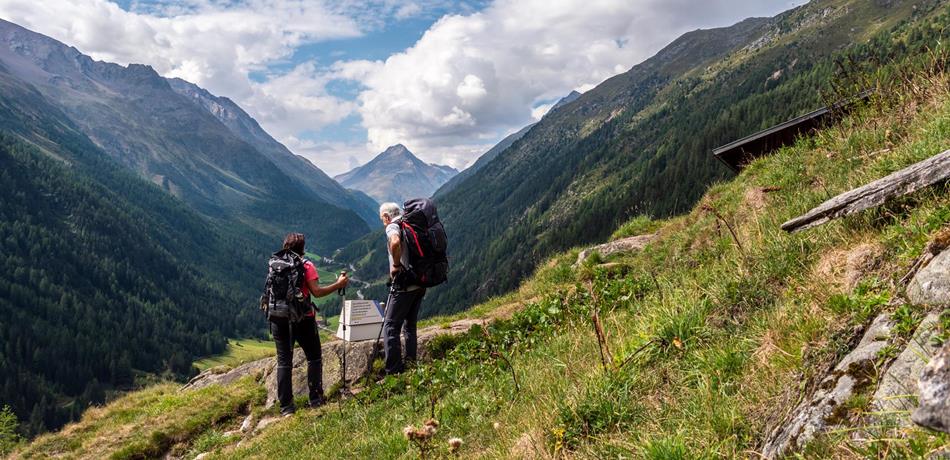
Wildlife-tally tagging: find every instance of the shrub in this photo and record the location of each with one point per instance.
(9, 438)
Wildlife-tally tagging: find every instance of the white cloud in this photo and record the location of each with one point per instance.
(216, 45)
(408, 10)
(473, 77)
(333, 158)
(540, 111)
(295, 102)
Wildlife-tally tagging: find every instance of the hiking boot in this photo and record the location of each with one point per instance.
(317, 403)
(288, 411)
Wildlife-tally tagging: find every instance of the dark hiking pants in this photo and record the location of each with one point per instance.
(402, 312)
(305, 334)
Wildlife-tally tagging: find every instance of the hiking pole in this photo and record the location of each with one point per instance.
(389, 300)
(343, 385)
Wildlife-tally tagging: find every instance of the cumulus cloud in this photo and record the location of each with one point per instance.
(296, 101)
(216, 45)
(473, 77)
(470, 79)
(334, 157)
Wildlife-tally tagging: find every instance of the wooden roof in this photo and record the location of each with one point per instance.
(738, 153)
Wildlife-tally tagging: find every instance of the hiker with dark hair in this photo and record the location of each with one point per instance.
(291, 281)
(402, 307)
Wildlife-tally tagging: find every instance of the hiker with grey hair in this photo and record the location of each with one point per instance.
(402, 307)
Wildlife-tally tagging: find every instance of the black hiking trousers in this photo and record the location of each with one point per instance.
(304, 333)
(402, 312)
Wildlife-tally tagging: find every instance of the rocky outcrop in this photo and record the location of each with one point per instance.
(934, 387)
(823, 410)
(931, 285)
(633, 243)
(358, 363)
(897, 393)
(216, 376)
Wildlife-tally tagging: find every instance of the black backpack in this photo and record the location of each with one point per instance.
(425, 239)
(283, 297)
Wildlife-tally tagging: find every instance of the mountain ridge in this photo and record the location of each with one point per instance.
(135, 116)
(296, 166)
(67, 201)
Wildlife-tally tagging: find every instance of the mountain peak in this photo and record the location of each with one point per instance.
(566, 100)
(396, 174)
(396, 150)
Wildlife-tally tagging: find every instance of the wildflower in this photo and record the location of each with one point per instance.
(432, 422)
(496, 426)
(454, 445)
(408, 431)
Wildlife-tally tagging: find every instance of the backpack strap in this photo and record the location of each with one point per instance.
(415, 237)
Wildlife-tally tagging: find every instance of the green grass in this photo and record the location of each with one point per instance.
(327, 274)
(147, 423)
(332, 323)
(239, 351)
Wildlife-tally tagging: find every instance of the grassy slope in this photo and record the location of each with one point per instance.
(730, 335)
(147, 423)
(728, 338)
(239, 351)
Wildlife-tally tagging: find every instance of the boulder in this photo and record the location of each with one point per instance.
(633, 243)
(246, 424)
(897, 393)
(821, 411)
(358, 355)
(931, 285)
(934, 387)
(358, 359)
(258, 369)
(358, 363)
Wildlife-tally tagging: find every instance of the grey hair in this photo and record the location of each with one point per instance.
(391, 209)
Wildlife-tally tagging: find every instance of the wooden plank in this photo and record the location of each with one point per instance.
(908, 180)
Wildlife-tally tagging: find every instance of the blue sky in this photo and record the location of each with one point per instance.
(338, 81)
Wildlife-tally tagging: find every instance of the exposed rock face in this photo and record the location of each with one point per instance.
(850, 376)
(213, 376)
(934, 387)
(358, 362)
(931, 285)
(897, 392)
(633, 243)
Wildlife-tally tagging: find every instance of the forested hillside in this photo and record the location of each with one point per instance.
(104, 276)
(640, 142)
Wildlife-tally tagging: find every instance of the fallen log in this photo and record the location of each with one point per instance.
(908, 180)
